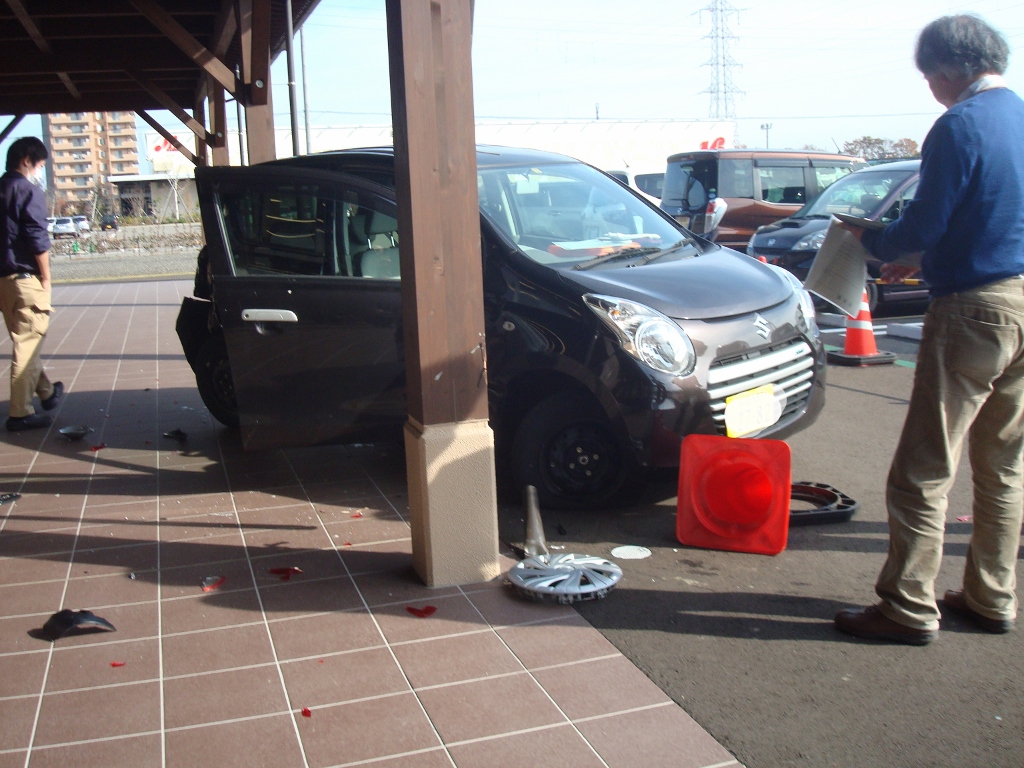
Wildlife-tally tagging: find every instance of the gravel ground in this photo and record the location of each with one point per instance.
(124, 265)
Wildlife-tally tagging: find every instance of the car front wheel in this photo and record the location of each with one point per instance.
(565, 448)
(215, 383)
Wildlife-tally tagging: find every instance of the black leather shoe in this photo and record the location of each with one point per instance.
(21, 423)
(954, 600)
(53, 400)
(871, 624)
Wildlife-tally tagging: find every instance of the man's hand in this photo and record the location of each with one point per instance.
(897, 273)
(857, 232)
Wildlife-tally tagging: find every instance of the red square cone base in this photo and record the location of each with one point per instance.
(734, 494)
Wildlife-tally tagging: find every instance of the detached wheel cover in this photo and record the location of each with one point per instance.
(565, 578)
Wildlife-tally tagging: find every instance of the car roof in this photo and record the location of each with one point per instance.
(761, 154)
(487, 155)
(896, 165)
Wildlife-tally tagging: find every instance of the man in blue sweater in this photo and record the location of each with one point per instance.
(967, 221)
(25, 283)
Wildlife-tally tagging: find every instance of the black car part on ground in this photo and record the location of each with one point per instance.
(834, 506)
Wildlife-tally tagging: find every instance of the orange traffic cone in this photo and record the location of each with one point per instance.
(860, 347)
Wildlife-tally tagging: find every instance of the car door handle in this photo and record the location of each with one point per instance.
(269, 316)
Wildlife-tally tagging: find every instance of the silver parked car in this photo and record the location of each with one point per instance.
(64, 226)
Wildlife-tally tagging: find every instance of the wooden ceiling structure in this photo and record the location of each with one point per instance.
(141, 55)
(184, 56)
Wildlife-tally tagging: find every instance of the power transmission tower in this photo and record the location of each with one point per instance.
(722, 90)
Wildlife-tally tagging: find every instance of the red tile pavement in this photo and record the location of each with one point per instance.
(227, 677)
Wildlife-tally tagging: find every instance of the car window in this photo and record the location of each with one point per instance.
(826, 175)
(782, 184)
(302, 229)
(859, 194)
(896, 209)
(736, 178)
(650, 183)
(690, 183)
(568, 212)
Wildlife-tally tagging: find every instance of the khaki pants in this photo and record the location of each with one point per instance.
(26, 309)
(969, 383)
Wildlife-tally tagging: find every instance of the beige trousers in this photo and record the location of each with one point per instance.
(26, 310)
(969, 383)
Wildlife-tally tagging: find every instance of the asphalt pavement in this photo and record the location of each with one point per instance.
(746, 644)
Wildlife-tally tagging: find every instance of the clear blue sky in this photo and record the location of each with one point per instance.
(821, 72)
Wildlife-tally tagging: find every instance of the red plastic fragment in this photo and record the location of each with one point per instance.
(422, 613)
(285, 573)
(347, 544)
(210, 583)
(966, 518)
(306, 712)
(99, 447)
(117, 663)
(357, 514)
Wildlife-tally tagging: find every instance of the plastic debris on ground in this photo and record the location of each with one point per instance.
(210, 583)
(285, 573)
(117, 663)
(966, 518)
(99, 447)
(76, 432)
(68, 622)
(177, 434)
(422, 613)
(306, 712)
(631, 552)
(6, 498)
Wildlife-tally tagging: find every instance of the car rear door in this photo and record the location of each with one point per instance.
(308, 294)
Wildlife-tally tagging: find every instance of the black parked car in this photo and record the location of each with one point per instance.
(108, 221)
(878, 192)
(611, 331)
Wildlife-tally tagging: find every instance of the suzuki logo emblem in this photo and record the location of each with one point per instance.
(762, 326)
(772, 241)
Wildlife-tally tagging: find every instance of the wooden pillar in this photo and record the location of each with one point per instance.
(449, 444)
(254, 31)
(218, 123)
(199, 114)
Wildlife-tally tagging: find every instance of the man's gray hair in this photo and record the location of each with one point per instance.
(961, 46)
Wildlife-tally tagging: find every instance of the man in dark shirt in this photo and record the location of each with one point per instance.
(967, 219)
(25, 283)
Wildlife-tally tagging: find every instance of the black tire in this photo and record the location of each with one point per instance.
(873, 296)
(566, 449)
(215, 383)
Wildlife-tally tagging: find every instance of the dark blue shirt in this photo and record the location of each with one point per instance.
(968, 213)
(23, 224)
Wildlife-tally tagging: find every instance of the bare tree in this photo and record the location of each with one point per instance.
(871, 148)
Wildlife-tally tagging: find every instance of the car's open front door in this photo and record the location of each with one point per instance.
(307, 291)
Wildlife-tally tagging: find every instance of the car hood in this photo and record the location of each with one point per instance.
(785, 233)
(721, 283)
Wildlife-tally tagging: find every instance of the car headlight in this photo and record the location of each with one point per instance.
(810, 242)
(806, 301)
(646, 334)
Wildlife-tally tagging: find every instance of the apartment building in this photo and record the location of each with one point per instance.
(85, 148)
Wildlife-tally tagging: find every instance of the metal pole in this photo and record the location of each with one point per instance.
(292, 102)
(305, 89)
(240, 118)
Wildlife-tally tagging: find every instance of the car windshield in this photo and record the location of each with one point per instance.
(63, 221)
(566, 213)
(859, 194)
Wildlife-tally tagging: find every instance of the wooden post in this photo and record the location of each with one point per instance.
(449, 444)
(254, 26)
(218, 124)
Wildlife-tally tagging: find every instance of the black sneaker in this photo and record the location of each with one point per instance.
(21, 423)
(53, 400)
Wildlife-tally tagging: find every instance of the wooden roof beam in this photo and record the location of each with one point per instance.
(167, 135)
(18, 9)
(170, 104)
(191, 47)
(254, 31)
(11, 126)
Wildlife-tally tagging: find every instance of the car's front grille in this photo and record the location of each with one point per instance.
(788, 365)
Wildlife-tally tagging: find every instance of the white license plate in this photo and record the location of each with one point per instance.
(751, 411)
